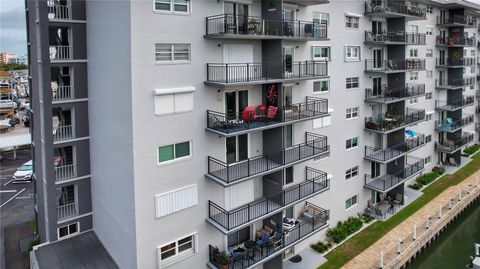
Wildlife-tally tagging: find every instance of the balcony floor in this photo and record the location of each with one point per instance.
(310, 259)
(410, 195)
(450, 169)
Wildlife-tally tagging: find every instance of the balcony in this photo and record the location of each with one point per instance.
(443, 105)
(227, 26)
(387, 182)
(457, 20)
(452, 84)
(62, 132)
(65, 172)
(229, 173)
(387, 96)
(450, 146)
(61, 93)
(235, 74)
(60, 52)
(451, 63)
(449, 125)
(315, 182)
(394, 66)
(396, 151)
(456, 41)
(66, 211)
(317, 220)
(394, 9)
(390, 122)
(395, 38)
(264, 118)
(58, 11)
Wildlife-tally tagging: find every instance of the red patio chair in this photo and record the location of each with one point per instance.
(248, 113)
(272, 112)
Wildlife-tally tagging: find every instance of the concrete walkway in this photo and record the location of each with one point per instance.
(388, 244)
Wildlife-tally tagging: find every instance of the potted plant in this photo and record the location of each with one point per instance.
(223, 259)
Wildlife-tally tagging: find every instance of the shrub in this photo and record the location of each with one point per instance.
(33, 243)
(471, 149)
(320, 247)
(438, 169)
(415, 186)
(366, 218)
(343, 230)
(427, 178)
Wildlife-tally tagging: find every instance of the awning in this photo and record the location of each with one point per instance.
(15, 140)
(410, 133)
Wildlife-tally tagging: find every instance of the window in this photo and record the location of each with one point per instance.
(352, 172)
(352, 113)
(429, 74)
(472, 53)
(351, 143)
(68, 230)
(351, 201)
(428, 117)
(176, 200)
(174, 6)
(427, 160)
(428, 96)
(413, 100)
(352, 53)
(429, 9)
(352, 22)
(429, 53)
(414, 29)
(472, 69)
(288, 175)
(288, 136)
(320, 53)
(413, 75)
(174, 151)
(414, 53)
(352, 83)
(172, 101)
(322, 18)
(172, 53)
(321, 86)
(428, 138)
(429, 30)
(177, 250)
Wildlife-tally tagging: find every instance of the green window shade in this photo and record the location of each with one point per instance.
(182, 149)
(165, 153)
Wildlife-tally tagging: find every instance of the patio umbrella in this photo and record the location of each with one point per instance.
(410, 133)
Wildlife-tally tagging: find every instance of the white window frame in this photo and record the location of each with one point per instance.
(352, 113)
(352, 22)
(351, 140)
(68, 227)
(353, 81)
(172, 54)
(350, 50)
(429, 74)
(322, 17)
(321, 58)
(429, 53)
(172, 7)
(429, 9)
(429, 30)
(413, 101)
(174, 160)
(428, 96)
(427, 160)
(351, 202)
(178, 256)
(351, 173)
(414, 53)
(320, 81)
(413, 76)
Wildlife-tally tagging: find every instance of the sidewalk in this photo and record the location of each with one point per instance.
(370, 258)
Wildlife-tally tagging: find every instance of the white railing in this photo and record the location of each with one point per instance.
(64, 172)
(62, 132)
(59, 52)
(62, 92)
(66, 211)
(58, 11)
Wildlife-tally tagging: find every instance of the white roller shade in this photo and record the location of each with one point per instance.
(174, 201)
(183, 102)
(164, 104)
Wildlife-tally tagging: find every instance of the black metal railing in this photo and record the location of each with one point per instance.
(249, 25)
(395, 37)
(314, 145)
(253, 72)
(390, 121)
(264, 116)
(456, 62)
(386, 95)
(315, 181)
(456, 41)
(452, 145)
(449, 125)
(466, 20)
(383, 155)
(373, 7)
(287, 238)
(459, 82)
(455, 104)
(394, 65)
(383, 183)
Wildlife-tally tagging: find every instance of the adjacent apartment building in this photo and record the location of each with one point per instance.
(179, 129)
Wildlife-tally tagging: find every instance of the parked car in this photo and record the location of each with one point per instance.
(24, 173)
(7, 103)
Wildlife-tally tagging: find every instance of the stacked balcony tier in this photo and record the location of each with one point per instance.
(230, 173)
(452, 105)
(247, 27)
(457, 20)
(390, 122)
(445, 41)
(452, 84)
(395, 38)
(389, 181)
(395, 151)
(456, 63)
(227, 220)
(450, 125)
(395, 9)
(386, 95)
(394, 66)
(264, 118)
(314, 220)
(450, 146)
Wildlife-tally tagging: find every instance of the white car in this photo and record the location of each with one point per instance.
(24, 172)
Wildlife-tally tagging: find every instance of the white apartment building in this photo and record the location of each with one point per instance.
(192, 127)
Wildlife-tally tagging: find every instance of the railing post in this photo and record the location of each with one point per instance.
(226, 73)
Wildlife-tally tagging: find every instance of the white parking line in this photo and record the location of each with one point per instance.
(17, 194)
(8, 191)
(8, 182)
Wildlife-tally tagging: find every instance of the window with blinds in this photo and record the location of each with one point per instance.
(174, 151)
(172, 52)
(174, 201)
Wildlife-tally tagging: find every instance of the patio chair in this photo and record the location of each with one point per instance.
(275, 241)
(262, 242)
(453, 162)
(248, 113)
(272, 112)
(398, 199)
(379, 213)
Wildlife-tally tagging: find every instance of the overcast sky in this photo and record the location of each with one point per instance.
(12, 26)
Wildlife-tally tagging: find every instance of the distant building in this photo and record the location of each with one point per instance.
(6, 57)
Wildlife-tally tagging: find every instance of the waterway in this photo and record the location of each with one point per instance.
(452, 249)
